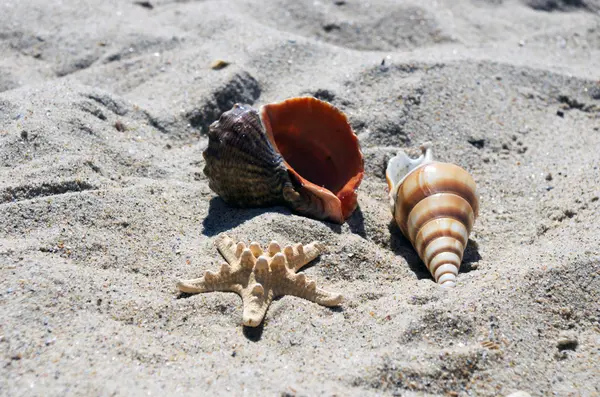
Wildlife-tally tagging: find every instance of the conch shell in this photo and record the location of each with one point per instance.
(435, 205)
(300, 152)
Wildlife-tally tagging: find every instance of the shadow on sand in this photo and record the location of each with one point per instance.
(356, 223)
(254, 334)
(222, 217)
(403, 247)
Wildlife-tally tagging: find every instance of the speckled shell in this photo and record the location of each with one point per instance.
(435, 206)
(300, 152)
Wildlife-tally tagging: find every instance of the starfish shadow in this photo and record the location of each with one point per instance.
(403, 247)
(254, 334)
(184, 295)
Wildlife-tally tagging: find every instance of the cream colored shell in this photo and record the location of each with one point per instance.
(260, 276)
(435, 205)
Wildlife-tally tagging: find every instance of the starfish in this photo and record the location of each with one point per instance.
(259, 277)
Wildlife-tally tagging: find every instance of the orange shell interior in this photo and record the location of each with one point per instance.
(319, 148)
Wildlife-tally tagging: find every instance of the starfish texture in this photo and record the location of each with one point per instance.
(259, 277)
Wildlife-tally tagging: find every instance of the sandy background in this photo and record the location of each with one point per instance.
(104, 107)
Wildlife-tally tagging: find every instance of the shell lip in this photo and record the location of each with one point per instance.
(401, 166)
(306, 151)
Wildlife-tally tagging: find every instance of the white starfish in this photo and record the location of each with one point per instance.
(259, 277)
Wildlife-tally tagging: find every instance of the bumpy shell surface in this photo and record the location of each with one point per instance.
(300, 152)
(241, 164)
(435, 206)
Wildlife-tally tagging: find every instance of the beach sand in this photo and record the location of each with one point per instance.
(104, 109)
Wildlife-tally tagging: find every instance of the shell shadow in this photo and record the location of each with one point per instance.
(222, 217)
(470, 257)
(403, 247)
(356, 223)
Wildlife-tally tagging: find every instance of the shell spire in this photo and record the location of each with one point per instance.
(301, 153)
(435, 205)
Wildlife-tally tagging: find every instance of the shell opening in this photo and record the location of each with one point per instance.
(318, 145)
(400, 166)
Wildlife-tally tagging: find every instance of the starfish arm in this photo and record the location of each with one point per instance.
(227, 247)
(297, 285)
(327, 298)
(300, 255)
(317, 295)
(194, 286)
(255, 301)
(258, 276)
(224, 280)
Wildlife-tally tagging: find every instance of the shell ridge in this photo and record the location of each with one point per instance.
(441, 216)
(442, 244)
(235, 135)
(447, 269)
(422, 241)
(415, 221)
(443, 258)
(259, 141)
(449, 192)
(415, 191)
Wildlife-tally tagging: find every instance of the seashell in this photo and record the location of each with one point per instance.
(435, 205)
(300, 152)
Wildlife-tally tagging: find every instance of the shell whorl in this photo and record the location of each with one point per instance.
(241, 164)
(435, 206)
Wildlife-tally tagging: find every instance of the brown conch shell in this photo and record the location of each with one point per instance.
(300, 152)
(435, 205)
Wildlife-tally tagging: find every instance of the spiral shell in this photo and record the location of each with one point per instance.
(435, 205)
(300, 152)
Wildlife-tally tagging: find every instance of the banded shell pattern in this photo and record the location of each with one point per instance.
(300, 152)
(435, 205)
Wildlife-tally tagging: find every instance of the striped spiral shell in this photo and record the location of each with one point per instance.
(435, 205)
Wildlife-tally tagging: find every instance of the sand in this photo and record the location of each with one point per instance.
(104, 108)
